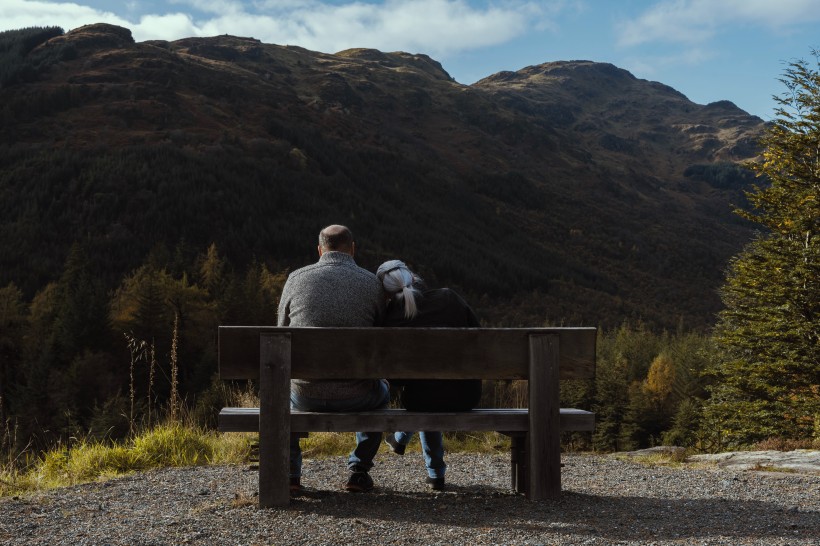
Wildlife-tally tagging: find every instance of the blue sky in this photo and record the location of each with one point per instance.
(708, 50)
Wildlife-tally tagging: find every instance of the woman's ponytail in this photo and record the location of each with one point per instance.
(397, 280)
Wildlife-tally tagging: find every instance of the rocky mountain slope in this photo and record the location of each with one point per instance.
(566, 192)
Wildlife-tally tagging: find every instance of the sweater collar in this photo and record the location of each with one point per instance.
(336, 257)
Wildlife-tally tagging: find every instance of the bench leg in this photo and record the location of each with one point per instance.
(518, 463)
(274, 419)
(544, 436)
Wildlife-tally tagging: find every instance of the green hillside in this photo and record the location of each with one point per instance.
(543, 195)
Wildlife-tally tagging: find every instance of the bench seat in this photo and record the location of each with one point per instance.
(388, 420)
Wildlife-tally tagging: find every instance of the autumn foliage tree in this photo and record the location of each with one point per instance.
(768, 375)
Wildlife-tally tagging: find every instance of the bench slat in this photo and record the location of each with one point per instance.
(409, 353)
(507, 420)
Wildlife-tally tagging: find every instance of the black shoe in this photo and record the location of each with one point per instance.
(296, 487)
(395, 447)
(359, 481)
(436, 484)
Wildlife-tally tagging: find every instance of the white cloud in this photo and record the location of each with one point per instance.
(164, 27)
(436, 27)
(695, 21)
(221, 7)
(650, 66)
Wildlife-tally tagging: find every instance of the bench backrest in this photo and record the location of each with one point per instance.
(434, 353)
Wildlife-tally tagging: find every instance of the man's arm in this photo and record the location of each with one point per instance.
(283, 313)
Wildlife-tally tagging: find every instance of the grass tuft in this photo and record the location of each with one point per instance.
(174, 445)
(785, 444)
(162, 446)
(670, 457)
(773, 468)
(242, 500)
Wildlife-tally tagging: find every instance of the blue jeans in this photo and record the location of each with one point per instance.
(433, 448)
(367, 443)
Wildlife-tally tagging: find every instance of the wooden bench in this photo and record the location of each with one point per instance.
(274, 355)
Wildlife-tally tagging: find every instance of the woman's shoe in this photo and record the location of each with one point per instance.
(395, 447)
(437, 484)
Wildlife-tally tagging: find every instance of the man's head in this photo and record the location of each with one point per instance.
(336, 238)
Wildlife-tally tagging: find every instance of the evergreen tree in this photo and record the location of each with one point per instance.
(686, 425)
(68, 322)
(139, 306)
(611, 401)
(195, 326)
(81, 319)
(625, 356)
(767, 380)
(252, 299)
(12, 321)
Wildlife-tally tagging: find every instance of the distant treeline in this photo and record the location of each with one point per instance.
(79, 359)
(16, 65)
(259, 204)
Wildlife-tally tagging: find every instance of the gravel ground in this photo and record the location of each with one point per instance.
(605, 501)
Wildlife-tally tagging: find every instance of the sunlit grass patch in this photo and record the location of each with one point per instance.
(162, 446)
(320, 445)
(84, 462)
(174, 445)
(656, 456)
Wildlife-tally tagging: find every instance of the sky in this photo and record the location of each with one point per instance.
(709, 50)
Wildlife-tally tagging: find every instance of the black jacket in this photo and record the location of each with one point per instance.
(441, 307)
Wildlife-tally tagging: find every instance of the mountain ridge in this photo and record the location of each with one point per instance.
(558, 192)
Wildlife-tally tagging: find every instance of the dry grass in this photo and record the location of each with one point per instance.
(90, 460)
(242, 499)
(670, 457)
(327, 444)
(476, 442)
(772, 468)
(331, 444)
(784, 444)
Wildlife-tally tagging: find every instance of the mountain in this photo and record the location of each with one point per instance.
(568, 192)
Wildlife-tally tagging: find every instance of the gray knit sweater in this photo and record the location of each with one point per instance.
(332, 292)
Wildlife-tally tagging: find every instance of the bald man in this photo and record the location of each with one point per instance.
(335, 291)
